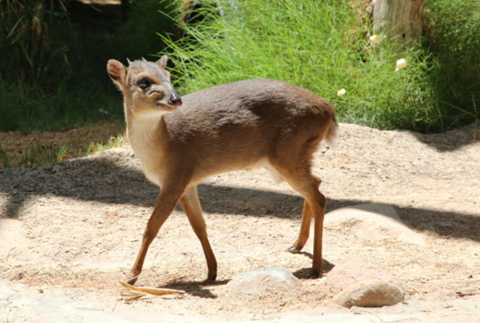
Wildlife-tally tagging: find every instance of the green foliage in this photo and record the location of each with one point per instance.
(37, 156)
(132, 37)
(98, 147)
(40, 155)
(26, 109)
(52, 72)
(319, 45)
(4, 159)
(453, 38)
(54, 55)
(31, 44)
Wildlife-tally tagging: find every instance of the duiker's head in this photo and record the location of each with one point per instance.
(145, 85)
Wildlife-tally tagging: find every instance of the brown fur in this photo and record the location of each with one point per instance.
(224, 128)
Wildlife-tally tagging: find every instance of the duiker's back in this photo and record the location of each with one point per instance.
(236, 125)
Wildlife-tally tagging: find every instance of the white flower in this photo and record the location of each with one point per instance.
(341, 92)
(375, 39)
(401, 63)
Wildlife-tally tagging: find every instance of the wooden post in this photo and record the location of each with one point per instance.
(399, 20)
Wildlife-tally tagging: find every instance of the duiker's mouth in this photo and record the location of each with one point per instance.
(166, 105)
(175, 102)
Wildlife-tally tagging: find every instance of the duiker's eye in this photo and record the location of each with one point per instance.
(143, 83)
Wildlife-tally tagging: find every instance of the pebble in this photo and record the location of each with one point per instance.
(373, 293)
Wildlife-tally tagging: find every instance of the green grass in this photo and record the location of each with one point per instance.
(67, 106)
(322, 46)
(35, 156)
(114, 142)
(5, 161)
(40, 155)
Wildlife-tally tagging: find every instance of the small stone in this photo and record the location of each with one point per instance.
(373, 293)
(353, 270)
(268, 279)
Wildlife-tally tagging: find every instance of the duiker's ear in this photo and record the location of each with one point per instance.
(117, 72)
(163, 61)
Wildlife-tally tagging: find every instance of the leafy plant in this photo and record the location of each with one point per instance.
(54, 52)
(31, 32)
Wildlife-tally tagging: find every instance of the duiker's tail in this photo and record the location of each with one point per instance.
(332, 131)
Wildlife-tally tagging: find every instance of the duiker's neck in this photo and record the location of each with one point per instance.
(146, 133)
(146, 117)
(143, 128)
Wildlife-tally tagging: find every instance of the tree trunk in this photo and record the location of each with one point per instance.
(398, 20)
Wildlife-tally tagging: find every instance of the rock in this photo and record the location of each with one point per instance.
(354, 270)
(268, 279)
(373, 293)
(357, 282)
(373, 222)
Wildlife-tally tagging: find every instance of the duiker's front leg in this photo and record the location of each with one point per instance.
(166, 202)
(191, 206)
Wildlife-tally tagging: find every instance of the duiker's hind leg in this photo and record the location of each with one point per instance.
(301, 180)
(317, 203)
(304, 227)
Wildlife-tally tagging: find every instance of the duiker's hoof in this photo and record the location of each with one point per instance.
(314, 274)
(132, 281)
(211, 279)
(294, 249)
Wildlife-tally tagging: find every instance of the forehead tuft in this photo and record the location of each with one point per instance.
(154, 69)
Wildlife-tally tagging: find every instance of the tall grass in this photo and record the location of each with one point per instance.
(319, 45)
(453, 38)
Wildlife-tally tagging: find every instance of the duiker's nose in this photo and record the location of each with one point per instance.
(175, 99)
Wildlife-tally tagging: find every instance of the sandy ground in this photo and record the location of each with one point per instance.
(73, 228)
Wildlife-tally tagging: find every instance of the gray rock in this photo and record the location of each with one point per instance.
(373, 293)
(373, 222)
(268, 279)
